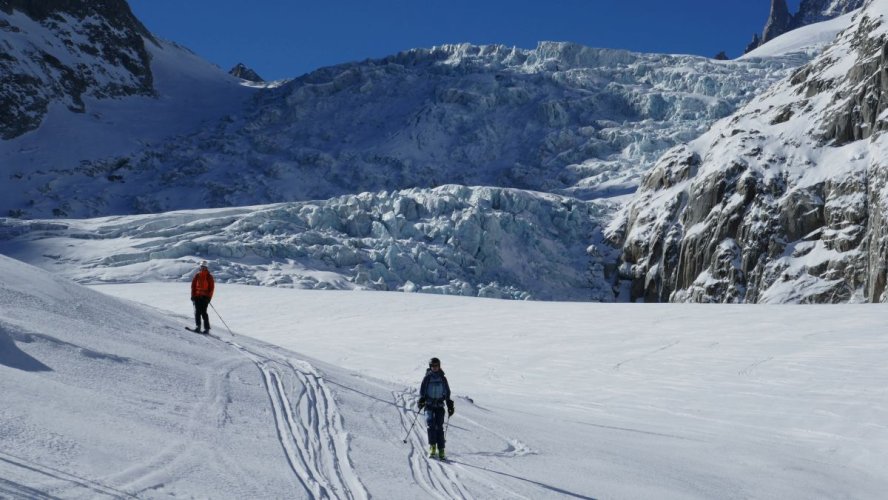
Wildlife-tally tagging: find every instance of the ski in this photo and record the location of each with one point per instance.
(195, 330)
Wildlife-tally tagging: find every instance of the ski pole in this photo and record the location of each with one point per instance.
(220, 318)
(411, 427)
(446, 425)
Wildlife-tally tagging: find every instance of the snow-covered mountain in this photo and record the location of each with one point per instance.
(560, 118)
(782, 202)
(58, 52)
(461, 114)
(82, 81)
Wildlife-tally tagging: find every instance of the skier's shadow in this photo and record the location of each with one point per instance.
(542, 485)
(13, 357)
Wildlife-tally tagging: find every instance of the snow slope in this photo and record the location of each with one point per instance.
(809, 39)
(82, 85)
(189, 93)
(108, 399)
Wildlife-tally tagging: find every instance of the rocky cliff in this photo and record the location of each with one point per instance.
(781, 21)
(785, 201)
(60, 51)
(244, 73)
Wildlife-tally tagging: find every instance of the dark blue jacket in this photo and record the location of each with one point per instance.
(423, 389)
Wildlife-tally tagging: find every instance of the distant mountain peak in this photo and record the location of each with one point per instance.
(244, 73)
(781, 21)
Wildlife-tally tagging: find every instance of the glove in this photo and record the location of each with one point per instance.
(193, 299)
(450, 409)
(421, 403)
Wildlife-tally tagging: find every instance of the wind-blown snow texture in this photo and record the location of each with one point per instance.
(782, 202)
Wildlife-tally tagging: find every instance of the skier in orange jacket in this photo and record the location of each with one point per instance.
(202, 286)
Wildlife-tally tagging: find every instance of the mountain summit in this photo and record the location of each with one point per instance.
(240, 70)
(781, 21)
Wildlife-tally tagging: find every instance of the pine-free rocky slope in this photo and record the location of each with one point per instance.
(782, 202)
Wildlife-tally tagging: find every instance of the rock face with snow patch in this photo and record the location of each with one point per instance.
(57, 51)
(781, 21)
(783, 202)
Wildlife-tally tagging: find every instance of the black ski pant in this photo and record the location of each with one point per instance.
(200, 311)
(435, 424)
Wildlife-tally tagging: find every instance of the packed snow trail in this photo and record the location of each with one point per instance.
(309, 426)
(14, 469)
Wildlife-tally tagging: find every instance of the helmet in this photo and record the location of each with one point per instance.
(434, 361)
(203, 263)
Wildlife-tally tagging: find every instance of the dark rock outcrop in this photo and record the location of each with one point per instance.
(244, 73)
(781, 21)
(84, 48)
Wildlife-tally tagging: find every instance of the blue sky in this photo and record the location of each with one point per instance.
(286, 38)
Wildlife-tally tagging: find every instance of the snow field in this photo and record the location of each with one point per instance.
(604, 401)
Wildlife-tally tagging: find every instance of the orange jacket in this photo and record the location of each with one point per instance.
(202, 285)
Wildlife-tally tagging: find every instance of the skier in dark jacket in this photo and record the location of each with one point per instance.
(434, 393)
(202, 287)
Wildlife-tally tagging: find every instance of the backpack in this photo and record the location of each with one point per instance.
(435, 387)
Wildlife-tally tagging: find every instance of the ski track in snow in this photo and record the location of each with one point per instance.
(63, 484)
(309, 428)
(619, 365)
(751, 368)
(438, 479)
(446, 480)
(310, 431)
(149, 475)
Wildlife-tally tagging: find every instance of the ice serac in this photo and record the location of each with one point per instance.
(455, 240)
(785, 201)
(59, 51)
